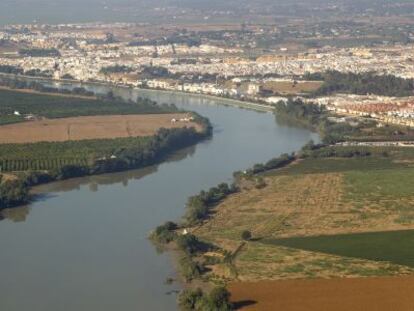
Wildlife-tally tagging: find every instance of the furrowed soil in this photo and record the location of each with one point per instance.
(91, 127)
(360, 294)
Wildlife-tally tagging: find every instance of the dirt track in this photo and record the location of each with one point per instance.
(94, 127)
(363, 294)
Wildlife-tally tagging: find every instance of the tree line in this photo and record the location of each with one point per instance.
(362, 84)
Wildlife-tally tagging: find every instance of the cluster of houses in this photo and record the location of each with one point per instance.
(185, 119)
(27, 117)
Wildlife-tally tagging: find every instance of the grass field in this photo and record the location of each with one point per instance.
(340, 165)
(391, 246)
(319, 197)
(92, 127)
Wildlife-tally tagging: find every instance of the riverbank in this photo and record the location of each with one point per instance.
(49, 158)
(320, 192)
(229, 101)
(53, 234)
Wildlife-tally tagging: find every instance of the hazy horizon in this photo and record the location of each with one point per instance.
(60, 11)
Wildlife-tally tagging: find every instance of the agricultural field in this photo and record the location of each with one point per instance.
(56, 106)
(43, 132)
(54, 155)
(92, 127)
(360, 294)
(389, 246)
(306, 219)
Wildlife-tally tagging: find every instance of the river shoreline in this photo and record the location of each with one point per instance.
(231, 101)
(131, 208)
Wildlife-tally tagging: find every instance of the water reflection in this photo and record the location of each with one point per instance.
(17, 214)
(44, 192)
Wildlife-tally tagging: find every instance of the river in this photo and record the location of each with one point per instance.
(82, 245)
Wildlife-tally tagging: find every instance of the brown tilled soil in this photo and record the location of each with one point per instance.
(362, 294)
(93, 127)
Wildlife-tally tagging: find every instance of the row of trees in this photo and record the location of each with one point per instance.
(8, 165)
(199, 206)
(275, 163)
(323, 151)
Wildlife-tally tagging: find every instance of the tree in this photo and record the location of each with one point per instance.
(13, 193)
(246, 235)
(188, 299)
(218, 299)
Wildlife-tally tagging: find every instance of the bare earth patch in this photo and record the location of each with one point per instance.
(361, 294)
(91, 127)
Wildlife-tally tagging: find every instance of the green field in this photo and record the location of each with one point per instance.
(392, 246)
(126, 152)
(380, 158)
(54, 106)
(391, 184)
(53, 155)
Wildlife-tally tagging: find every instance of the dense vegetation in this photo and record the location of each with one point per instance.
(13, 193)
(275, 163)
(306, 114)
(199, 206)
(216, 300)
(362, 84)
(311, 116)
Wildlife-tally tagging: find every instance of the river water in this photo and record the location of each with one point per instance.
(82, 245)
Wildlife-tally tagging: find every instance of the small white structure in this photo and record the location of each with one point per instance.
(16, 113)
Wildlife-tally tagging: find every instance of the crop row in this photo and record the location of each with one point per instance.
(7, 165)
